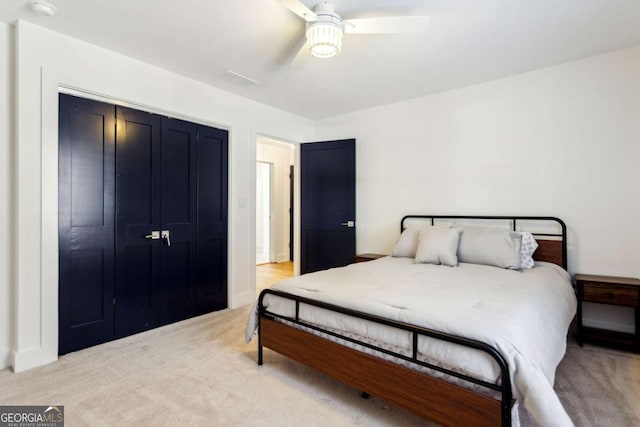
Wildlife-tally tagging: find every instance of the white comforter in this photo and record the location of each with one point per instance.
(525, 315)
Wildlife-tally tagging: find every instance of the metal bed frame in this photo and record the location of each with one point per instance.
(482, 409)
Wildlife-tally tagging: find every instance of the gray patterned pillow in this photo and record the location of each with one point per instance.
(528, 247)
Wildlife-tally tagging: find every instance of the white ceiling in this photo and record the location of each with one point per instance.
(468, 42)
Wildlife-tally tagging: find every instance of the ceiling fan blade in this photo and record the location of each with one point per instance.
(301, 56)
(387, 25)
(297, 7)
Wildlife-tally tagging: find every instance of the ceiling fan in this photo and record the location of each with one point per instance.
(325, 28)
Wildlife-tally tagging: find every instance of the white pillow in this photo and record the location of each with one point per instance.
(438, 246)
(528, 247)
(407, 244)
(490, 246)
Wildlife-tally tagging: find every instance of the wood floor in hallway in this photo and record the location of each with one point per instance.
(269, 274)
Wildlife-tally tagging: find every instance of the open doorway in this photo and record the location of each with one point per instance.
(274, 211)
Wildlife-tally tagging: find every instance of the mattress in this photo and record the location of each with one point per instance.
(524, 315)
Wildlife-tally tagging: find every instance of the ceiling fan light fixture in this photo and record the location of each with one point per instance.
(324, 39)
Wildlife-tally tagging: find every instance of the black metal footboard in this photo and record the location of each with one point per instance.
(504, 388)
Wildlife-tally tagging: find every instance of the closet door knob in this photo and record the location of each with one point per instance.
(155, 235)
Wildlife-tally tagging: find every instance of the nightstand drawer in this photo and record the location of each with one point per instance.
(621, 291)
(610, 294)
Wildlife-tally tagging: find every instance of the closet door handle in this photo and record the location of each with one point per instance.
(166, 236)
(155, 235)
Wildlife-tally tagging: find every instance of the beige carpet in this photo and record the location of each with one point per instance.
(200, 372)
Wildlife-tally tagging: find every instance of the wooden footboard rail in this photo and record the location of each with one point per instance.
(436, 399)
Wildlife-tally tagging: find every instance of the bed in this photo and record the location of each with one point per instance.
(455, 345)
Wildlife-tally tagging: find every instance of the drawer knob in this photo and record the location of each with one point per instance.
(610, 294)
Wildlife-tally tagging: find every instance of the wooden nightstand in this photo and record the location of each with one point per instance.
(622, 291)
(367, 257)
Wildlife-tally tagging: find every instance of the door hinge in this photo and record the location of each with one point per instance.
(114, 301)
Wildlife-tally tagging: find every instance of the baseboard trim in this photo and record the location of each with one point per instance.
(282, 258)
(27, 359)
(241, 300)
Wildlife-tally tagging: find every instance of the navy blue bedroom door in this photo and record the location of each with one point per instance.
(328, 204)
(143, 221)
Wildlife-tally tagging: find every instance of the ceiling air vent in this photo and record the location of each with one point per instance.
(237, 79)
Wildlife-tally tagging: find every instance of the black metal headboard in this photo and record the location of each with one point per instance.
(553, 250)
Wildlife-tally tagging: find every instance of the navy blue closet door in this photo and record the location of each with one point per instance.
(328, 204)
(86, 223)
(123, 175)
(178, 217)
(172, 178)
(137, 215)
(212, 190)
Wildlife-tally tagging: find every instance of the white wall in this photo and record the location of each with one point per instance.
(561, 141)
(47, 60)
(6, 170)
(281, 156)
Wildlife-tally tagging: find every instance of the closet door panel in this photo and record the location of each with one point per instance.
(87, 167)
(178, 209)
(136, 168)
(138, 270)
(137, 215)
(86, 222)
(175, 275)
(178, 142)
(212, 280)
(212, 219)
(87, 286)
